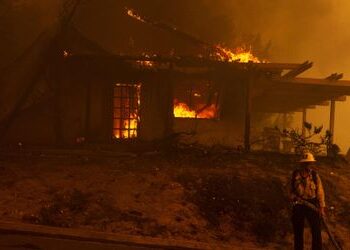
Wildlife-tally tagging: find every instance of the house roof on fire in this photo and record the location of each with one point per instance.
(280, 91)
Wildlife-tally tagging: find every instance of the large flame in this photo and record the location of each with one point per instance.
(240, 54)
(182, 110)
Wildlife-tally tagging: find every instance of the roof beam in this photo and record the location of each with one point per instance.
(325, 103)
(334, 77)
(340, 98)
(297, 71)
(315, 82)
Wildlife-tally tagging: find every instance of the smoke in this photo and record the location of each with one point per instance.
(299, 30)
(21, 21)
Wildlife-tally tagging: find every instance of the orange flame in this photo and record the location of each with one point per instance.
(127, 119)
(131, 126)
(182, 110)
(240, 54)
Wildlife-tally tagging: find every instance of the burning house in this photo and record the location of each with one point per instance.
(88, 94)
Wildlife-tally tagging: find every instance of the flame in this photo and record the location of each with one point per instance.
(126, 123)
(240, 54)
(133, 14)
(131, 125)
(181, 110)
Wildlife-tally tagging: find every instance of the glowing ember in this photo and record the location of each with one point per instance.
(181, 110)
(133, 14)
(148, 64)
(241, 55)
(66, 53)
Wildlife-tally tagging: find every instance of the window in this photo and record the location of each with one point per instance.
(199, 100)
(126, 106)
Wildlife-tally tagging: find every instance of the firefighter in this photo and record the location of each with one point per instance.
(306, 186)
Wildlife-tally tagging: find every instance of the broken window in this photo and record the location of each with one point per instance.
(196, 100)
(126, 110)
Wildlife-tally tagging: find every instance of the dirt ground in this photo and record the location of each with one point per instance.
(211, 195)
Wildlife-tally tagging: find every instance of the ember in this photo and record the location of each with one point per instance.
(132, 13)
(146, 63)
(66, 53)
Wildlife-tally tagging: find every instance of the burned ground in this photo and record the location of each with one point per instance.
(204, 194)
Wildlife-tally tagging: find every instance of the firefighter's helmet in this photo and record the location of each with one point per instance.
(307, 157)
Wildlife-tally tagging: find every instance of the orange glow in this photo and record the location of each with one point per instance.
(133, 14)
(240, 54)
(66, 53)
(181, 110)
(146, 63)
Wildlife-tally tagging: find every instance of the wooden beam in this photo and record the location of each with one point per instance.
(303, 122)
(248, 111)
(297, 71)
(325, 103)
(315, 81)
(284, 103)
(87, 110)
(311, 107)
(335, 77)
(332, 119)
(340, 98)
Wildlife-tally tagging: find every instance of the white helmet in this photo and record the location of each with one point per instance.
(307, 157)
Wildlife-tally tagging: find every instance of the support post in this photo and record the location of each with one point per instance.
(57, 112)
(285, 125)
(332, 120)
(87, 111)
(248, 109)
(303, 122)
(169, 121)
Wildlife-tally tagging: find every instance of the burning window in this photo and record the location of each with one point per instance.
(196, 101)
(126, 110)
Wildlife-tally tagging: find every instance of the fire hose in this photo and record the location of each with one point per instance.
(323, 220)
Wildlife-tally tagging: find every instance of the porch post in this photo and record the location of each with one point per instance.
(248, 110)
(303, 122)
(332, 119)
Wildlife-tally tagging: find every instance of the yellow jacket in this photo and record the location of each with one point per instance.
(305, 187)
